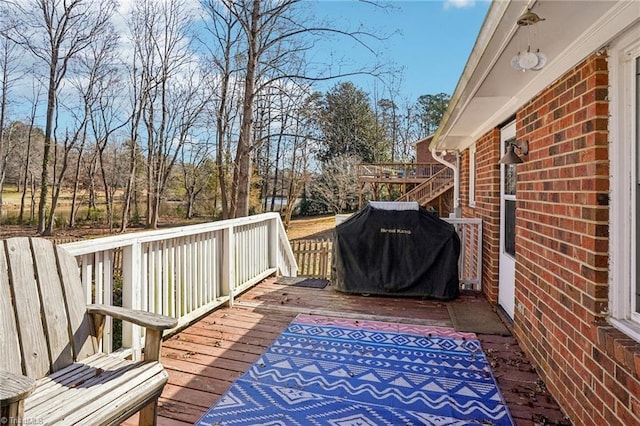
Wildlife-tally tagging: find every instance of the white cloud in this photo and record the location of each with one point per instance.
(459, 4)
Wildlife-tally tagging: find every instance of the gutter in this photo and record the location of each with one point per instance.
(457, 211)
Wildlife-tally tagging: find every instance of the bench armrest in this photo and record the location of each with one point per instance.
(142, 318)
(154, 324)
(14, 387)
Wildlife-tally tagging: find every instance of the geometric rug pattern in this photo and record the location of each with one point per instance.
(337, 372)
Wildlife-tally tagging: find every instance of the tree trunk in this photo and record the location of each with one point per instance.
(48, 130)
(245, 143)
(107, 193)
(76, 183)
(3, 109)
(32, 208)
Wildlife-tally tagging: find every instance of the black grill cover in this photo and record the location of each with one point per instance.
(396, 252)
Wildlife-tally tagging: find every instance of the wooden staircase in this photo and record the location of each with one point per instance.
(432, 188)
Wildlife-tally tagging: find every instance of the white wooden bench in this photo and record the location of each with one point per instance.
(51, 371)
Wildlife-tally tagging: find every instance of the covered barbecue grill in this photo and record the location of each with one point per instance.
(396, 249)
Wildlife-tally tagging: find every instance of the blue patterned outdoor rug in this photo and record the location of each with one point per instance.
(326, 371)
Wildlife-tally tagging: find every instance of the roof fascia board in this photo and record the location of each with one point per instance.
(595, 38)
(619, 18)
(472, 77)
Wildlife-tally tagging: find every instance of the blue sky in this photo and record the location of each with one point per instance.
(431, 40)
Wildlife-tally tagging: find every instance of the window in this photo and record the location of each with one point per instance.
(472, 175)
(624, 267)
(510, 181)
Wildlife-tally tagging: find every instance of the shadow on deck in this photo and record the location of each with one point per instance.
(204, 359)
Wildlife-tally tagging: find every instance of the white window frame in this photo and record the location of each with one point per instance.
(623, 154)
(472, 175)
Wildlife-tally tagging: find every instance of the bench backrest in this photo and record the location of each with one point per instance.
(43, 321)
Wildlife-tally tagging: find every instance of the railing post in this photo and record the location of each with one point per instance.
(228, 263)
(132, 296)
(479, 249)
(274, 243)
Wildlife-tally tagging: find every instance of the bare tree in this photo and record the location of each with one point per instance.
(96, 84)
(337, 183)
(55, 33)
(225, 52)
(197, 172)
(299, 165)
(283, 141)
(276, 111)
(274, 41)
(27, 158)
(73, 138)
(106, 113)
(8, 76)
(141, 84)
(171, 99)
(112, 169)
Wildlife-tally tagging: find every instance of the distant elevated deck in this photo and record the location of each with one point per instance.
(414, 173)
(426, 183)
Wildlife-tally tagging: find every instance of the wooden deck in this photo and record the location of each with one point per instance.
(204, 359)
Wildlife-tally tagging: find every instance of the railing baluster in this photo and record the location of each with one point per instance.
(131, 295)
(106, 277)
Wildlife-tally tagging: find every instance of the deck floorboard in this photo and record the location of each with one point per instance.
(205, 358)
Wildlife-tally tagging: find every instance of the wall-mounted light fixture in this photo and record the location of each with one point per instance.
(528, 60)
(511, 157)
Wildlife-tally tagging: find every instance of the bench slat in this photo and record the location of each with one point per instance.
(54, 309)
(57, 398)
(28, 308)
(120, 403)
(97, 388)
(126, 404)
(84, 344)
(10, 359)
(50, 385)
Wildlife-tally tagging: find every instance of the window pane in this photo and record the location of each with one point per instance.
(510, 227)
(510, 177)
(472, 175)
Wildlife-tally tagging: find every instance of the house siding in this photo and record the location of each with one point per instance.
(561, 283)
(423, 154)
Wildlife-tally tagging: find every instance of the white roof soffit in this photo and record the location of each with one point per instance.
(490, 91)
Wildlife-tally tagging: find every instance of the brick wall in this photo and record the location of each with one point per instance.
(423, 154)
(592, 369)
(487, 205)
(562, 248)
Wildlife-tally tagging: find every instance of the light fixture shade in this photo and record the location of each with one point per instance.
(542, 61)
(511, 157)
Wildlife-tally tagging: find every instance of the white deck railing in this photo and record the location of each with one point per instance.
(470, 260)
(182, 272)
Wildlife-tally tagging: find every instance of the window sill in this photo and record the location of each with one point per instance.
(620, 345)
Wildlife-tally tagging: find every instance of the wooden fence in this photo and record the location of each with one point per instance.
(313, 257)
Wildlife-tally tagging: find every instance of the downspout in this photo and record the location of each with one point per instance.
(457, 211)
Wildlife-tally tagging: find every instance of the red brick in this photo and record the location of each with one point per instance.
(562, 231)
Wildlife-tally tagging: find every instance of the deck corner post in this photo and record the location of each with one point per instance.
(274, 238)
